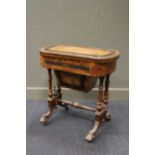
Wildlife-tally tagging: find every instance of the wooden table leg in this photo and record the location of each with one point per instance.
(106, 115)
(98, 118)
(60, 95)
(51, 101)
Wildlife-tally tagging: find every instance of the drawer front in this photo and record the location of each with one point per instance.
(72, 66)
(78, 66)
(66, 65)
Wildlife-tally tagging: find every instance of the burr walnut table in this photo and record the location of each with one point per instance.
(79, 68)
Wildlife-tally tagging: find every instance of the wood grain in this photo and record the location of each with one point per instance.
(84, 64)
(79, 68)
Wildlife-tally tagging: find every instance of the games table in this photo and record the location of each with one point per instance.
(79, 68)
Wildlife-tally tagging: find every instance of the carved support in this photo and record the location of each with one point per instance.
(106, 114)
(101, 112)
(100, 94)
(51, 105)
(49, 83)
(98, 118)
(60, 95)
(52, 101)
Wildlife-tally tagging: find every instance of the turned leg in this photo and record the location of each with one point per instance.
(98, 118)
(51, 100)
(106, 115)
(60, 95)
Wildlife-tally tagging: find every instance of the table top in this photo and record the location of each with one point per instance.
(81, 52)
(79, 60)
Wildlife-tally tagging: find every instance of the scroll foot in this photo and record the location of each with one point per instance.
(44, 120)
(92, 133)
(45, 117)
(90, 136)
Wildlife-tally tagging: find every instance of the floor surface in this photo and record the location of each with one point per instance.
(64, 135)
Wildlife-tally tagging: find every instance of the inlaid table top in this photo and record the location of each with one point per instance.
(79, 60)
(81, 52)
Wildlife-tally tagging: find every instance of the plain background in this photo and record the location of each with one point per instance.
(13, 77)
(90, 23)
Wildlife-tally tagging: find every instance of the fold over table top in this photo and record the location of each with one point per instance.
(79, 60)
(81, 52)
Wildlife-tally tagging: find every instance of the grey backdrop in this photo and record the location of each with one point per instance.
(94, 23)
